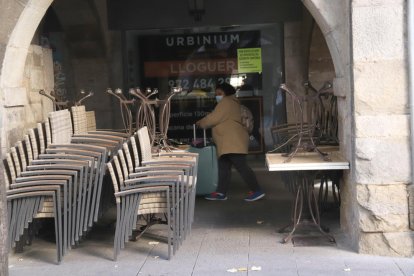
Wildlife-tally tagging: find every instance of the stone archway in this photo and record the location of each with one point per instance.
(366, 42)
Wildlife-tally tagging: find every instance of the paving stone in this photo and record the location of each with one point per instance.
(212, 249)
(406, 265)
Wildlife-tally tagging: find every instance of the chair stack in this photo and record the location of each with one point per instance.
(84, 123)
(54, 173)
(164, 185)
(315, 129)
(57, 172)
(185, 159)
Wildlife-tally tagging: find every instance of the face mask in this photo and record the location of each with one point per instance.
(218, 98)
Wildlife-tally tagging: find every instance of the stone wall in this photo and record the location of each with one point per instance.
(29, 107)
(321, 68)
(382, 150)
(410, 190)
(295, 63)
(23, 17)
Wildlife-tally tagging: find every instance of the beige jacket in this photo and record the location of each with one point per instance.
(229, 134)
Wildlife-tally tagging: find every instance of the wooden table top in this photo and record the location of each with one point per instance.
(306, 161)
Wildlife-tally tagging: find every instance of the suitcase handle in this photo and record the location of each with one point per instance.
(204, 134)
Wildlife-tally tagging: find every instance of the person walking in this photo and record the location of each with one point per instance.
(232, 141)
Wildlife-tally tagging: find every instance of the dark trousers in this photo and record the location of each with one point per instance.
(239, 161)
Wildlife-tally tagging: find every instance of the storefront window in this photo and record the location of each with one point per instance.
(248, 57)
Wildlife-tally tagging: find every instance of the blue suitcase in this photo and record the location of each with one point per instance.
(207, 173)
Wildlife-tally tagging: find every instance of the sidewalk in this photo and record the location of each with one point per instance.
(227, 236)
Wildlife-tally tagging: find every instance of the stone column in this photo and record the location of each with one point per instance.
(9, 12)
(381, 138)
(19, 22)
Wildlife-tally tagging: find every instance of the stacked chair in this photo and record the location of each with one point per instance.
(86, 144)
(84, 123)
(172, 157)
(27, 198)
(53, 173)
(315, 129)
(316, 121)
(90, 121)
(142, 196)
(57, 172)
(173, 173)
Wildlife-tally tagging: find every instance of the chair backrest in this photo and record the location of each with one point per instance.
(21, 147)
(29, 149)
(144, 143)
(123, 164)
(9, 170)
(42, 136)
(60, 127)
(116, 172)
(34, 143)
(47, 132)
(16, 161)
(135, 150)
(114, 178)
(91, 120)
(13, 165)
(80, 124)
(126, 147)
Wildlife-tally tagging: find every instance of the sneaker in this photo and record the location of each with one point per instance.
(253, 196)
(216, 196)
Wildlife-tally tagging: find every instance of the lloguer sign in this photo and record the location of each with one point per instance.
(190, 67)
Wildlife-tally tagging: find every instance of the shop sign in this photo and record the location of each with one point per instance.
(199, 61)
